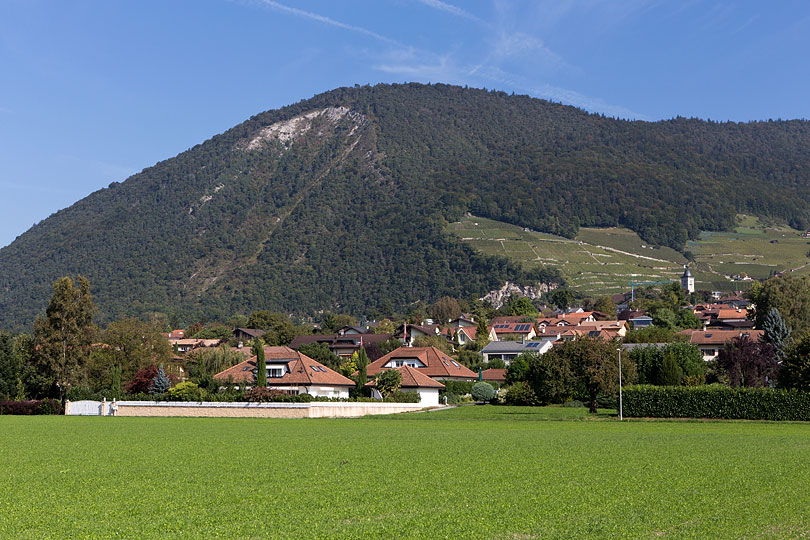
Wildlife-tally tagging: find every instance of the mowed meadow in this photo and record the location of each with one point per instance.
(471, 472)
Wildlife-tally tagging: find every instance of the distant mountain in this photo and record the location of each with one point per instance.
(339, 202)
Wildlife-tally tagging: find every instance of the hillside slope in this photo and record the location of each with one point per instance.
(340, 202)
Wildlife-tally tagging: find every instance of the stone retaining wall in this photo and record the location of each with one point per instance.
(315, 409)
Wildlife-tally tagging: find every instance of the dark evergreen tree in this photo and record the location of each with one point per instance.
(261, 364)
(670, 373)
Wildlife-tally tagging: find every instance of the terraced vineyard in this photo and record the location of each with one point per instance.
(605, 261)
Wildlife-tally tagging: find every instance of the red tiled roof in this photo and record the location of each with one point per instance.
(471, 331)
(719, 337)
(303, 370)
(177, 334)
(732, 314)
(493, 374)
(413, 378)
(437, 364)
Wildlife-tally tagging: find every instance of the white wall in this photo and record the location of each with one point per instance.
(429, 396)
(328, 391)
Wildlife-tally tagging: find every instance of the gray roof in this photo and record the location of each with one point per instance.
(686, 272)
(511, 346)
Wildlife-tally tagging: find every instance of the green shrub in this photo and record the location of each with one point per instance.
(263, 394)
(403, 397)
(716, 401)
(185, 391)
(520, 393)
(463, 387)
(482, 392)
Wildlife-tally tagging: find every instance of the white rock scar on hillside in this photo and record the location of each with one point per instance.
(289, 130)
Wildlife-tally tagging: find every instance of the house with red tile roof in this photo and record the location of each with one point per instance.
(289, 371)
(710, 342)
(177, 334)
(428, 360)
(414, 380)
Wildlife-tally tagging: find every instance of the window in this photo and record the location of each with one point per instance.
(275, 373)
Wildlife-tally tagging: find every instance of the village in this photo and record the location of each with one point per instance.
(437, 360)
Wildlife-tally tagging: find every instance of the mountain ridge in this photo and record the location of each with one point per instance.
(339, 202)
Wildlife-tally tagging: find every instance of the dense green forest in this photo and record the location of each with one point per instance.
(343, 209)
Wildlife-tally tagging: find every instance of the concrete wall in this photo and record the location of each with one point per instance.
(252, 410)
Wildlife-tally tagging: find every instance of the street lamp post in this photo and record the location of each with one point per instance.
(621, 416)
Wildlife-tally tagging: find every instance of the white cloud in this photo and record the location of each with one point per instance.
(326, 20)
(449, 8)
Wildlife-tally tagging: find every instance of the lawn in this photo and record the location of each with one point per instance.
(472, 472)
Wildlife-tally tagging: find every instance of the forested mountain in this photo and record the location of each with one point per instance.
(338, 202)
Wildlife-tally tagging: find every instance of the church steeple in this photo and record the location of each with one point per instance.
(687, 281)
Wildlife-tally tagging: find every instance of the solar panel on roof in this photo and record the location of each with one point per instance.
(532, 345)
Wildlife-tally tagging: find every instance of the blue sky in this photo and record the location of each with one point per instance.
(94, 91)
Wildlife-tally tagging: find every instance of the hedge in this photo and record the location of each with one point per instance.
(34, 406)
(716, 401)
(462, 387)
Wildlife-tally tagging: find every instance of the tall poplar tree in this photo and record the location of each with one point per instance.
(261, 364)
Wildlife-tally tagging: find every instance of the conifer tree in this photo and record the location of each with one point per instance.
(670, 373)
(776, 333)
(261, 364)
(161, 383)
(362, 374)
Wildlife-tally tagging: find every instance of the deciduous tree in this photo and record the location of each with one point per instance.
(749, 362)
(65, 333)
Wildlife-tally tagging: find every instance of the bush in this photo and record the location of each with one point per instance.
(388, 382)
(520, 393)
(716, 401)
(185, 391)
(463, 387)
(31, 407)
(397, 397)
(263, 394)
(403, 397)
(482, 392)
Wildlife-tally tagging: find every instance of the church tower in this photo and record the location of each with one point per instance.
(687, 281)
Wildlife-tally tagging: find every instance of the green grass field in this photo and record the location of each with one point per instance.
(604, 261)
(473, 472)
